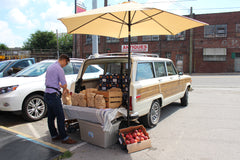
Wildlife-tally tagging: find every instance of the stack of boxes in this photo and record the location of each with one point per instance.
(113, 81)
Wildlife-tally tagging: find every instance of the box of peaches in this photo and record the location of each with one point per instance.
(134, 138)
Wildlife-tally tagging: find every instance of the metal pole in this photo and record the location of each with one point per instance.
(129, 65)
(57, 45)
(191, 45)
(75, 36)
(94, 37)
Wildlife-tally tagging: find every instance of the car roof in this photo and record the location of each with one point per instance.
(71, 60)
(134, 57)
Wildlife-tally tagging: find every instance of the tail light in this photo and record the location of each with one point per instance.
(70, 93)
(130, 103)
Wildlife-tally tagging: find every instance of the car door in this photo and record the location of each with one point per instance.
(170, 87)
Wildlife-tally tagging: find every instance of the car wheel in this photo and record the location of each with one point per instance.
(152, 118)
(34, 108)
(184, 99)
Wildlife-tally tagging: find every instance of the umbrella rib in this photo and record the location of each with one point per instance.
(87, 23)
(151, 17)
(122, 24)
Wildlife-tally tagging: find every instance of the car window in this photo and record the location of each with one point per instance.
(171, 69)
(68, 69)
(34, 70)
(91, 69)
(144, 71)
(3, 65)
(76, 67)
(21, 64)
(160, 69)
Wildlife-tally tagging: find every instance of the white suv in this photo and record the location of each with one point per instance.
(25, 91)
(154, 83)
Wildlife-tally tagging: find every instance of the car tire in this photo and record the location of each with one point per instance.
(34, 108)
(184, 99)
(151, 119)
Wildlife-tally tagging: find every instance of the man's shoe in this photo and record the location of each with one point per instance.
(69, 141)
(56, 138)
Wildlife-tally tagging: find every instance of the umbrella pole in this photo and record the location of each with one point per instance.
(129, 65)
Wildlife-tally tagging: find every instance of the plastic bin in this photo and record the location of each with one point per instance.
(93, 133)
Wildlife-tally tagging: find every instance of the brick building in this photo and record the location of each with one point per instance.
(215, 48)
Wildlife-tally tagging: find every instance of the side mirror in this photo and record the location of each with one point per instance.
(180, 73)
(10, 71)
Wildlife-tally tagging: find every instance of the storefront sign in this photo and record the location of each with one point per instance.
(136, 48)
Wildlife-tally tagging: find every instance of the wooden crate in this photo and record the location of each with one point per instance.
(113, 97)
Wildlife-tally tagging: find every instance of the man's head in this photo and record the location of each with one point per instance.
(63, 60)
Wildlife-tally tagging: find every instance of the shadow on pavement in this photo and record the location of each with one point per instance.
(9, 119)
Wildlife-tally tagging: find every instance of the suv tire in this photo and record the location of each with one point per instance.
(184, 99)
(34, 108)
(151, 119)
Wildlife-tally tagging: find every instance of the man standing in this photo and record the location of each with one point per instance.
(55, 80)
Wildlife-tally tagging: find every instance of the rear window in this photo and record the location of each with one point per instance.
(144, 71)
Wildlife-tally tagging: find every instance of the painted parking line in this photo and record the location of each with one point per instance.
(35, 140)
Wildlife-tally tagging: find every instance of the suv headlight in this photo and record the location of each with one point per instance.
(8, 89)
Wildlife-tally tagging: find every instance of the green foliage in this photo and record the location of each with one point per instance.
(41, 40)
(3, 47)
(66, 44)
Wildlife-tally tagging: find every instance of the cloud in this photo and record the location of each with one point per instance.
(21, 20)
(17, 16)
(14, 3)
(57, 10)
(8, 37)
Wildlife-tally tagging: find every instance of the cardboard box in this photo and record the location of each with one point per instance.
(93, 133)
(134, 146)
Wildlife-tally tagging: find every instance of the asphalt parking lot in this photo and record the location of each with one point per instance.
(208, 129)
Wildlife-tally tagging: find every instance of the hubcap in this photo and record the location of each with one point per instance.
(35, 108)
(155, 113)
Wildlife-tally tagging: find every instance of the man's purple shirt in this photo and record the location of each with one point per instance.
(54, 75)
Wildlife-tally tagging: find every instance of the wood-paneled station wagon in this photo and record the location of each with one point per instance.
(154, 82)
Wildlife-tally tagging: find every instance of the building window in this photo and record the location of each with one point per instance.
(212, 31)
(238, 30)
(168, 55)
(150, 38)
(179, 36)
(214, 54)
(89, 39)
(133, 39)
(112, 40)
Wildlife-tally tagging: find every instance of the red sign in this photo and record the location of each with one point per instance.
(136, 48)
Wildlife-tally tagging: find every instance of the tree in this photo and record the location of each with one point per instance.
(66, 44)
(3, 47)
(41, 40)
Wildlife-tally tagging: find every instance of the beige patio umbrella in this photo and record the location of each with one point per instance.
(126, 20)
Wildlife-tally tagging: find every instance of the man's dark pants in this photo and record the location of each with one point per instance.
(55, 110)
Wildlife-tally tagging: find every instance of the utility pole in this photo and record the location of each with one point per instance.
(94, 37)
(190, 45)
(57, 44)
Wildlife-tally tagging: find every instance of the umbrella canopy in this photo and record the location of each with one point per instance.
(113, 21)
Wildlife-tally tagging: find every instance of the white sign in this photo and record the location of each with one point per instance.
(136, 48)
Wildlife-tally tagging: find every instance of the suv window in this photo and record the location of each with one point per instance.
(144, 71)
(170, 69)
(160, 69)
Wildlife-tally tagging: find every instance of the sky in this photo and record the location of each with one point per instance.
(21, 18)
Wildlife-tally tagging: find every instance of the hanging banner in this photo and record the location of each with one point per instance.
(80, 7)
(136, 48)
